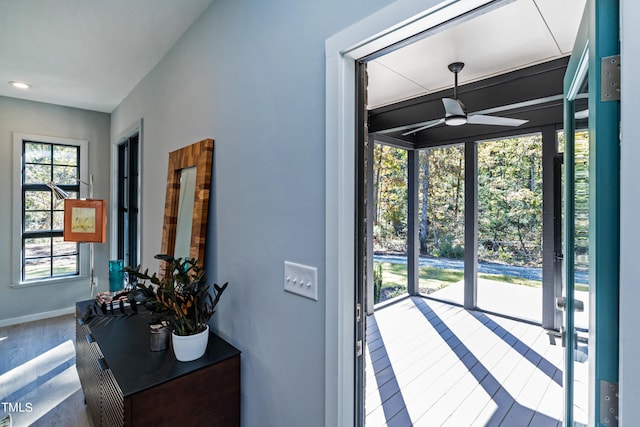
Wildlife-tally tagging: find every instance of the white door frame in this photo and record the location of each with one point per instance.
(629, 207)
(396, 22)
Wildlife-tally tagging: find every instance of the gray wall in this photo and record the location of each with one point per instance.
(50, 120)
(251, 75)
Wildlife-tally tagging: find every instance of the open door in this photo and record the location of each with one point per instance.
(591, 77)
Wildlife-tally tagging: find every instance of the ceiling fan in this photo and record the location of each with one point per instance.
(456, 112)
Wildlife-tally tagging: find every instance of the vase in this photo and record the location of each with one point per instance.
(158, 337)
(116, 275)
(190, 347)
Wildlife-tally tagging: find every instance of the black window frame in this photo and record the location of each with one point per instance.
(52, 233)
(127, 200)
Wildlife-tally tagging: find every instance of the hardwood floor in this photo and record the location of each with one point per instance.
(38, 376)
(435, 364)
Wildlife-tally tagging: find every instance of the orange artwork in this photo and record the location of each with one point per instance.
(85, 221)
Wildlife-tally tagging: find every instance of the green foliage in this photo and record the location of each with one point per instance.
(510, 199)
(446, 248)
(512, 280)
(441, 274)
(503, 255)
(377, 282)
(46, 162)
(433, 279)
(181, 293)
(390, 197)
(441, 201)
(393, 280)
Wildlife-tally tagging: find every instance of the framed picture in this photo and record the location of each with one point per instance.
(85, 220)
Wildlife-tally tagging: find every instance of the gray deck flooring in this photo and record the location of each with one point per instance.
(435, 364)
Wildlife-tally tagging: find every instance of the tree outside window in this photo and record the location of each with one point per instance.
(44, 252)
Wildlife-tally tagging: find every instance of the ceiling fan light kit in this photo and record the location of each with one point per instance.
(456, 112)
(455, 120)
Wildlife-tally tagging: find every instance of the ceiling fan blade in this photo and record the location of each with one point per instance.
(481, 119)
(453, 107)
(428, 125)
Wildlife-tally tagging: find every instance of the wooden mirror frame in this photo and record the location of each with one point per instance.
(200, 155)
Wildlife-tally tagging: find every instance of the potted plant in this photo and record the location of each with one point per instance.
(182, 296)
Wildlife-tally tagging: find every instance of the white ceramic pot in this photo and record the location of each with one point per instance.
(190, 347)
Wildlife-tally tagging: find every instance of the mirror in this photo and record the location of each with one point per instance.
(185, 212)
(187, 200)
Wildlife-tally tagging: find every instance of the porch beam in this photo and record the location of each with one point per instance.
(413, 227)
(551, 231)
(470, 225)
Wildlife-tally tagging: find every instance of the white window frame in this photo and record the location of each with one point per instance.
(16, 233)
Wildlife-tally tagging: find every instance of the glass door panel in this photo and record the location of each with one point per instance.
(581, 227)
(390, 223)
(441, 217)
(576, 249)
(596, 47)
(510, 226)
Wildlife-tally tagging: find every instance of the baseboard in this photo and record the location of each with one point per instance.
(37, 316)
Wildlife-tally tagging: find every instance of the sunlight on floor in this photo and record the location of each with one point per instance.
(40, 384)
(29, 372)
(434, 364)
(48, 396)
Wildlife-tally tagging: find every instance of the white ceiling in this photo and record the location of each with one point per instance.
(88, 54)
(519, 34)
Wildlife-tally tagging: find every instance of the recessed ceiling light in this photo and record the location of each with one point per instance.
(20, 85)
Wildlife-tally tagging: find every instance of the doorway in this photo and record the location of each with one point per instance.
(509, 178)
(510, 227)
(478, 243)
(340, 152)
(526, 226)
(128, 199)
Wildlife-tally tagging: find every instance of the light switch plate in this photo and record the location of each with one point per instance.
(301, 280)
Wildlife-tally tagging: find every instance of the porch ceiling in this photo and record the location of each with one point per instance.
(537, 90)
(513, 51)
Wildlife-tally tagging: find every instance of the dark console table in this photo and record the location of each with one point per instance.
(126, 384)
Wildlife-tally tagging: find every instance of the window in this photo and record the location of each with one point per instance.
(38, 215)
(128, 200)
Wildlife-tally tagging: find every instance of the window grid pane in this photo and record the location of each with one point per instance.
(58, 219)
(65, 175)
(45, 253)
(37, 153)
(64, 155)
(37, 200)
(62, 248)
(35, 174)
(65, 265)
(39, 268)
(37, 248)
(37, 221)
